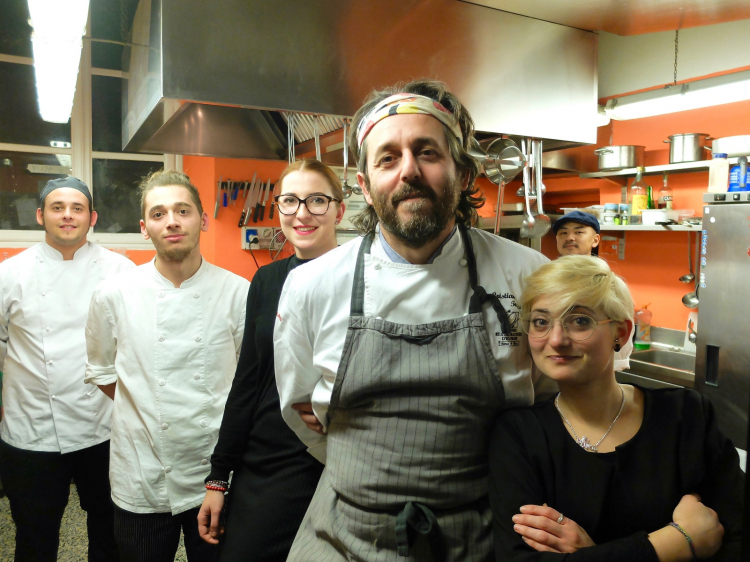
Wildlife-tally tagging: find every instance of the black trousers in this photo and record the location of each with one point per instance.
(154, 537)
(38, 487)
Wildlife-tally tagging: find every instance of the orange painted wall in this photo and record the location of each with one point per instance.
(221, 245)
(654, 260)
(137, 256)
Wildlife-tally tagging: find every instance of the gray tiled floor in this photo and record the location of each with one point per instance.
(73, 541)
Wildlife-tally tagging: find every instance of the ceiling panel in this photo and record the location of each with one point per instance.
(626, 17)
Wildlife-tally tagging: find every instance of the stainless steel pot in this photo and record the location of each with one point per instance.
(688, 147)
(732, 146)
(619, 157)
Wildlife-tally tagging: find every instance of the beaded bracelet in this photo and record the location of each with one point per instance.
(217, 485)
(689, 540)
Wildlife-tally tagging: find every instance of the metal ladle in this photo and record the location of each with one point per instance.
(688, 277)
(691, 299)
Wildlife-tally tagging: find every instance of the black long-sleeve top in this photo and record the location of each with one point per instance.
(617, 497)
(273, 472)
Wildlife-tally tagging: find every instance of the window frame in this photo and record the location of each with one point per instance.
(82, 155)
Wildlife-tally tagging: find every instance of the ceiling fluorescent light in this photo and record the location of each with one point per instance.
(58, 28)
(719, 90)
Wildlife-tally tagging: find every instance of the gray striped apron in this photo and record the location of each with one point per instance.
(409, 421)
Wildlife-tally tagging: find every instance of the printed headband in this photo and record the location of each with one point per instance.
(407, 103)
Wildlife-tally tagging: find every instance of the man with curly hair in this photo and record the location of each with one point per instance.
(399, 348)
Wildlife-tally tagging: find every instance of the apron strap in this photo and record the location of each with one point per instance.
(357, 307)
(418, 519)
(480, 296)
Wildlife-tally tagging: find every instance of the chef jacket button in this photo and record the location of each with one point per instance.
(378, 318)
(44, 294)
(167, 469)
(161, 295)
(50, 362)
(204, 461)
(165, 426)
(47, 328)
(53, 397)
(462, 262)
(204, 423)
(196, 376)
(162, 382)
(198, 338)
(377, 266)
(196, 296)
(162, 338)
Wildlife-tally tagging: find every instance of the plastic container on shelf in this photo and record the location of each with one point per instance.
(610, 213)
(624, 215)
(651, 216)
(643, 328)
(718, 174)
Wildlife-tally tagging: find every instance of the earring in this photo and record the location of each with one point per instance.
(337, 222)
(618, 347)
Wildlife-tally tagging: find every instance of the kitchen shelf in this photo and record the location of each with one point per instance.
(509, 222)
(652, 228)
(653, 170)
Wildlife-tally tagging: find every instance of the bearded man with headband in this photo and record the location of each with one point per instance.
(399, 348)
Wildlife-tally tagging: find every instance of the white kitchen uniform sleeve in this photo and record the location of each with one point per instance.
(101, 344)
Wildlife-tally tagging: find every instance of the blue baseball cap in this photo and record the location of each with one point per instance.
(579, 217)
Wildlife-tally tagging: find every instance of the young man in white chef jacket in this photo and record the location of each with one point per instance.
(407, 343)
(163, 342)
(55, 427)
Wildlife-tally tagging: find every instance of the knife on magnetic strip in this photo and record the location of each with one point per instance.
(250, 202)
(273, 202)
(265, 199)
(260, 199)
(218, 198)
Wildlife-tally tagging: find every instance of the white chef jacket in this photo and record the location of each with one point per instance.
(313, 315)
(45, 300)
(173, 353)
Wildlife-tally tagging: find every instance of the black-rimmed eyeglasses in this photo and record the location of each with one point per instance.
(315, 204)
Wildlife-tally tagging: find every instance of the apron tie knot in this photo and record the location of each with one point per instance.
(418, 519)
(481, 296)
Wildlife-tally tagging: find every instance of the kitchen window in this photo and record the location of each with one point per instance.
(89, 147)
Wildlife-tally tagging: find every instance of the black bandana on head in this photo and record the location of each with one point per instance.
(71, 182)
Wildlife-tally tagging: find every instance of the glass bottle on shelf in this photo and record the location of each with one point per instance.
(650, 192)
(638, 197)
(665, 195)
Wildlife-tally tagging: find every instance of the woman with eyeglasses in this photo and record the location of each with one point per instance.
(606, 471)
(273, 476)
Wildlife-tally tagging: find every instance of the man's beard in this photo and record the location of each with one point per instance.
(176, 255)
(429, 216)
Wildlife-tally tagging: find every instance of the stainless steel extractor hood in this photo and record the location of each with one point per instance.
(214, 73)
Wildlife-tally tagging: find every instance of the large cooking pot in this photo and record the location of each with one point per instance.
(619, 157)
(688, 147)
(732, 146)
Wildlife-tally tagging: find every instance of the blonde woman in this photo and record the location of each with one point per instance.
(273, 475)
(606, 471)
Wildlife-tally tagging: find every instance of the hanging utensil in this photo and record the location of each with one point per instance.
(527, 226)
(688, 277)
(345, 186)
(290, 138)
(316, 122)
(501, 163)
(543, 222)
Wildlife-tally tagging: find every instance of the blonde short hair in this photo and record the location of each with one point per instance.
(580, 280)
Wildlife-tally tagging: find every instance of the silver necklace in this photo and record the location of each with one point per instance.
(584, 441)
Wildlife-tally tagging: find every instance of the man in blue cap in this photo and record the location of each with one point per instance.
(56, 428)
(577, 233)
